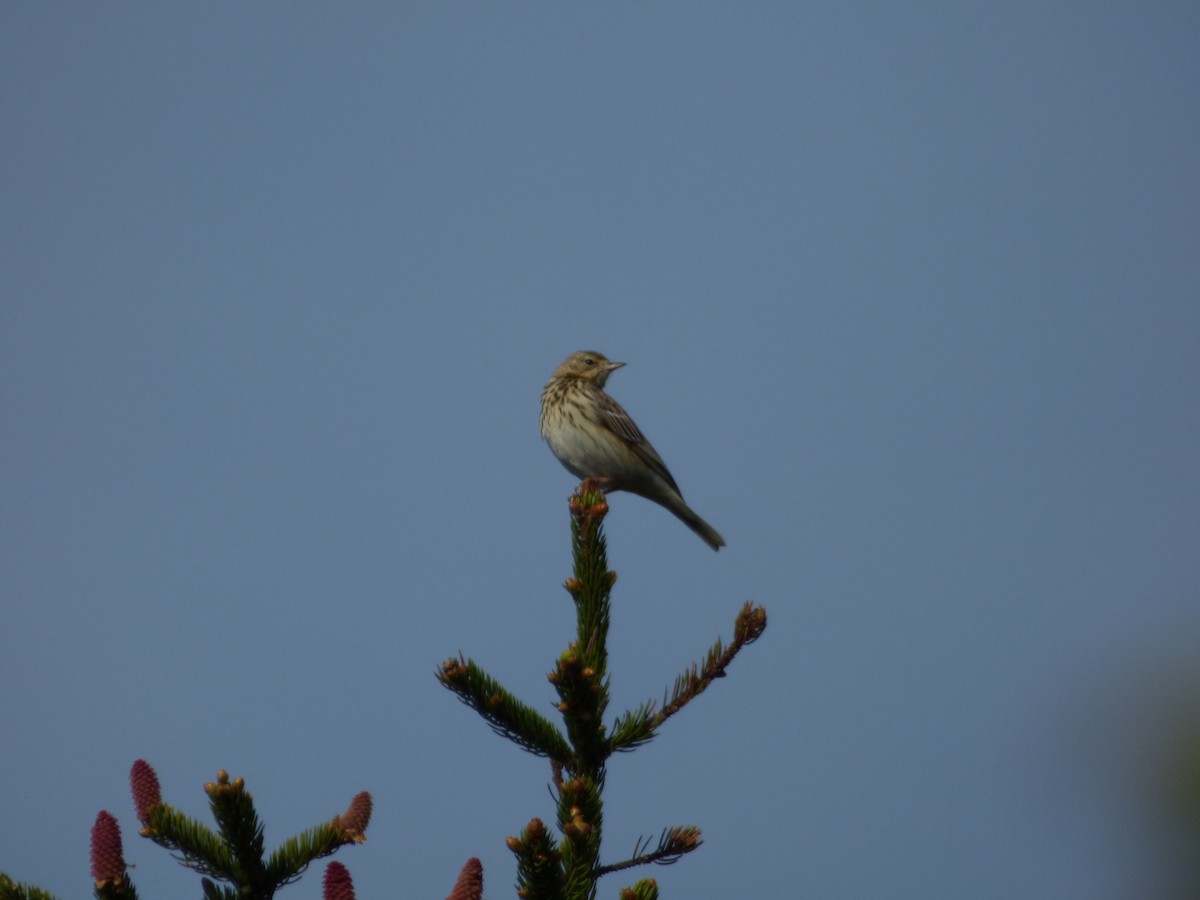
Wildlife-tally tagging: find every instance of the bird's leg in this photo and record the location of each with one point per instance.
(603, 485)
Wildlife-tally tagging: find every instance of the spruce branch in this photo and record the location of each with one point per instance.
(296, 853)
(632, 729)
(748, 627)
(213, 891)
(592, 583)
(539, 863)
(673, 843)
(293, 856)
(583, 696)
(16, 890)
(235, 853)
(507, 716)
(580, 817)
(569, 869)
(646, 889)
(233, 808)
(194, 845)
(637, 727)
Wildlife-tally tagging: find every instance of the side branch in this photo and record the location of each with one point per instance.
(672, 845)
(637, 727)
(747, 628)
(507, 715)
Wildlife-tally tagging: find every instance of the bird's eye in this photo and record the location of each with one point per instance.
(589, 360)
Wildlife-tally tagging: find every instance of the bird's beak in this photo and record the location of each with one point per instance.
(613, 366)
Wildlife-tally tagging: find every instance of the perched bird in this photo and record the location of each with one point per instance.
(593, 437)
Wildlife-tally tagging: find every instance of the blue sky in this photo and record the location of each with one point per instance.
(908, 297)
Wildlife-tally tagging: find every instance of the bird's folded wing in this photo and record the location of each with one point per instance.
(618, 421)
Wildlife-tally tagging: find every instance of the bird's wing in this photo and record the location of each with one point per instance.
(614, 417)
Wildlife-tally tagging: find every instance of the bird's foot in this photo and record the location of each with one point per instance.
(589, 485)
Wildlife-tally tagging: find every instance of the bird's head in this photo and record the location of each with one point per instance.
(587, 365)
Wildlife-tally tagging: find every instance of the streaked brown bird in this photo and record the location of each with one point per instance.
(593, 437)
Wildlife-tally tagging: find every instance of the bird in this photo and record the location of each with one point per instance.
(594, 438)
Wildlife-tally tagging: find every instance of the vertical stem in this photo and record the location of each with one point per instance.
(583, 689)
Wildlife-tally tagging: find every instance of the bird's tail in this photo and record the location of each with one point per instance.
(688, 517)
